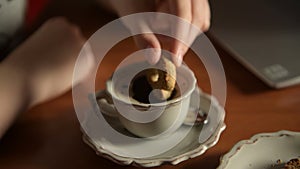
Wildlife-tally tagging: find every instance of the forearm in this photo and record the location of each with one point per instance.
(14, 96)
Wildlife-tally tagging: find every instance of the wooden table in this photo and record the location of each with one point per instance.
(48, 135)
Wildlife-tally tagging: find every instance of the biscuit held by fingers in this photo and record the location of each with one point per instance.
(162, 79)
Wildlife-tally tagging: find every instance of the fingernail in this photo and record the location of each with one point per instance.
(152, 55)
(178, 58)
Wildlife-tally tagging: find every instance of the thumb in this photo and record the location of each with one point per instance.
(149, 42)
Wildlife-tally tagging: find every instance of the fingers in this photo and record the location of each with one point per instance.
(201, 14)
(195, 13)
(149, 42)
(208, 16)
(140, 27)
(200, 19)
(180, 29)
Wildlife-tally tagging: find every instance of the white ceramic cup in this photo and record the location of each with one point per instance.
(146, 120)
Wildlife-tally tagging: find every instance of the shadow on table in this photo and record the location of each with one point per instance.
(204, 161)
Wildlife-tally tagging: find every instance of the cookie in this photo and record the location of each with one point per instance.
(293, 164)
(163, 79)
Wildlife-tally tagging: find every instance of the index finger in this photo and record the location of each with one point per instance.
(180, 29)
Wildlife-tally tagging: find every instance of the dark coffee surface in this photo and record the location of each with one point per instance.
(140, 89)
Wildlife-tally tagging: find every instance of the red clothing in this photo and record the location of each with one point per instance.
(34, 8)
(26, 14)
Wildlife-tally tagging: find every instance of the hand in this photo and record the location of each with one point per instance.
(196, 12)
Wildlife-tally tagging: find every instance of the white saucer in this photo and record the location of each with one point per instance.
(266, 150)
(197, 140)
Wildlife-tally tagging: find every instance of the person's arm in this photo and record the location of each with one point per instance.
(14, 96)
(38, 70)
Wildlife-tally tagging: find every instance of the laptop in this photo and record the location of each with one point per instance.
(264, 35)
